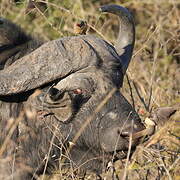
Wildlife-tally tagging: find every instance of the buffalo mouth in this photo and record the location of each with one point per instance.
(116, 139)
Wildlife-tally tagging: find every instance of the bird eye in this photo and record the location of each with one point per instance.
(81, 23)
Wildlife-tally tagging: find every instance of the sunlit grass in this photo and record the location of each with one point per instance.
(154, 71)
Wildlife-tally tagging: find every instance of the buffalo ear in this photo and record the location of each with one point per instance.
(64, 115)
(52, 102)
(59, 103)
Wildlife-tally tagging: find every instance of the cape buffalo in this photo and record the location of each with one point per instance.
(61, 105)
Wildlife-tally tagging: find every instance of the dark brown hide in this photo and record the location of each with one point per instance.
(14, 43)
(74, 75)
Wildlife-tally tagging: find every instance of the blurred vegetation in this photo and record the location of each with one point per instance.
(153, 75)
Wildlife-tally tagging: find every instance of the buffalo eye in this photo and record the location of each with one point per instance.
(55, 94)
(77, 91)
(79, 97)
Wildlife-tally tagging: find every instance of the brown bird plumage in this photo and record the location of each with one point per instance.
(80, 27)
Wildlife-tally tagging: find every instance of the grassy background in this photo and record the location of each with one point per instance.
(154, 72)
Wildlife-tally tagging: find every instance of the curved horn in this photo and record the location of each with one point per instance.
(52, 61)
(58, 59)
(126, 36)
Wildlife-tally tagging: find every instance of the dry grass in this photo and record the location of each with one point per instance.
(154, 73)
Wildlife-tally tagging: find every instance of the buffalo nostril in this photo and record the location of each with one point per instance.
(118, 131)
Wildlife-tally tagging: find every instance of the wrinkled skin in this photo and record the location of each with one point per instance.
(74, 76)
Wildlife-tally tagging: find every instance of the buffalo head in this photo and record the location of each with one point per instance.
(78, 80)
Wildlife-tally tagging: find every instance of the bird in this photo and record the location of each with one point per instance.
(80, 28)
